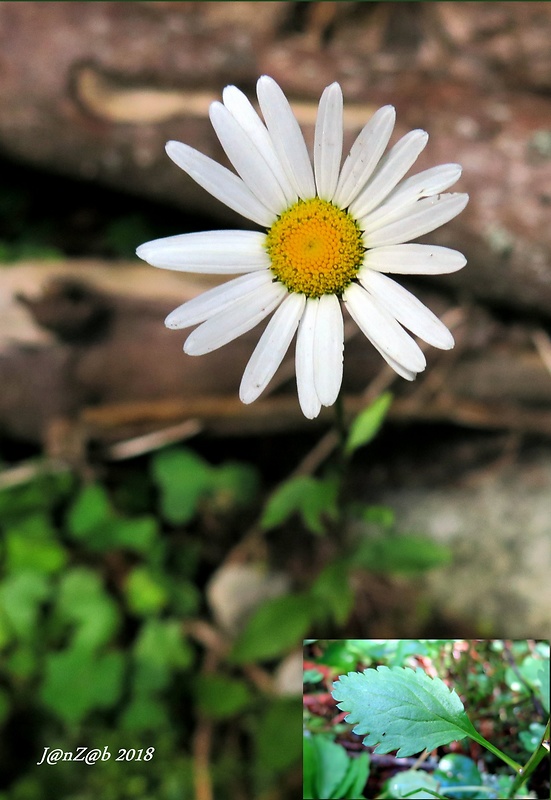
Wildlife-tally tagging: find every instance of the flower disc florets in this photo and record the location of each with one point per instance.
(315, 248)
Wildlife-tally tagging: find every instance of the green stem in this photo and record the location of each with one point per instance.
(496, 751)
(524, 773)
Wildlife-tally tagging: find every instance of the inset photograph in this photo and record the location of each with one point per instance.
(424, 718)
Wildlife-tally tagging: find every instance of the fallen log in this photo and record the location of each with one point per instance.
(125, 376)
(95, 90)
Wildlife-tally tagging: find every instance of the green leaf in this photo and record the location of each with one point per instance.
(312, 498)
(531, 738)
(144, 713)
(404, 784)
(24, 661)
(220, 697)
(312, 676)
(21, 597)
(356, 777)
(41, 493)
(329, 772)
(159, 651)
(233, 485)
(367, 424)
(92, 520)
(144, 593)
(530, 669)
(340, 656)
(378, 515)
(402, 709)
(276, 752)
(403, 553)
(83, 601)
(275, 627)
(183, 478)
(137, 534)
(456, 770)
(543, 677)
(331, 766)
(309, 768)
(332, 590)
(30, 545)
(89, 511)
(76, 682)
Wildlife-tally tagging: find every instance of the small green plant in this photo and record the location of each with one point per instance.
(404, 709)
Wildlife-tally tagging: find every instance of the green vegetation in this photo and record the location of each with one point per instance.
(107, 638)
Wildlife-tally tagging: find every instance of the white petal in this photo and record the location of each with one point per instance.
(414, 259)
(418, 219)
(328, 141)
(392, 169)
(328, 349)
(407, 309)
(248, 161)
(408, 374)
(239, 318)
(216, 300)
(364, 155)
(304, 361)
(215, 252)
(382, 329)
(271, 347)
(220, 182)
(424, 184)
(286, 136)
(242, 110)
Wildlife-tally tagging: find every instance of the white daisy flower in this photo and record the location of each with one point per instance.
(330, 235)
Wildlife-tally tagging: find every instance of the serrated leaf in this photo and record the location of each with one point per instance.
(402, 709)
(367, 424)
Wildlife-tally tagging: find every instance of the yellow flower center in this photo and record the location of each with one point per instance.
(315, 248)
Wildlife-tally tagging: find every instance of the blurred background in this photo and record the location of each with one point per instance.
(145, 597)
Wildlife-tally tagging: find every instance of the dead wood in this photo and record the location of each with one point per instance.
(128, 378)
